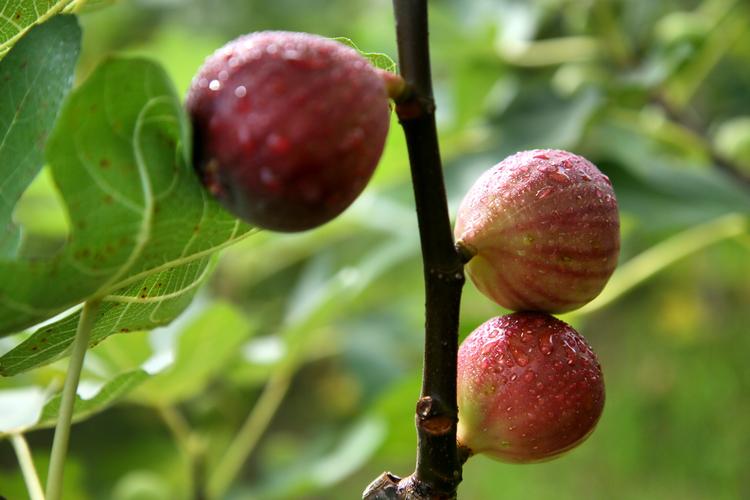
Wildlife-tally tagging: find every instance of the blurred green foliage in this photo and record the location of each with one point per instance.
(318, 335)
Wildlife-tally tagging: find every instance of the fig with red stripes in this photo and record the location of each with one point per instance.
(542, 230)
(287, 127)
(529, 388)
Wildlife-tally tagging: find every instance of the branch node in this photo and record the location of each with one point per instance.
(384, 487)
(434, 417)
(411, 105)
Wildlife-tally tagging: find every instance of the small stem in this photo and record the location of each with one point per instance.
(699, 131)
(30, 476)
(252, 429)
(191, 447)
(65, 418)
(177, 425)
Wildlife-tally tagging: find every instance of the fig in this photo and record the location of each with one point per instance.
(287, 127)
(542, 229)
(529, 388)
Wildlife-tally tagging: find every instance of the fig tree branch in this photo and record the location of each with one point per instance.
(720, 161)
(438, 468)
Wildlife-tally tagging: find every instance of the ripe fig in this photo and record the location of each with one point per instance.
(287, 127)
(543, 229)
(529, 388)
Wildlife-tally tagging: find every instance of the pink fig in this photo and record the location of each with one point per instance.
(543, 229)
(529, 388)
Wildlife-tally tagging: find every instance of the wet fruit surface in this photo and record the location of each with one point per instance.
(288, 127)
(545, 230)
(529, 388)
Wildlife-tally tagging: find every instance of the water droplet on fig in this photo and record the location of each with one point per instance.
(214, 85)
(544, 192)
(353, 139)
(560, 178)
(545, 344)
(291, 55)
(269, 178)
(240, 92)
(278, 144)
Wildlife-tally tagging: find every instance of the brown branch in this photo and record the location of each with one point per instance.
(438, 469)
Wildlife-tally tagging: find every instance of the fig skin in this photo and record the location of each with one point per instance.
(287, 127)
(544, 231)
(529, 388)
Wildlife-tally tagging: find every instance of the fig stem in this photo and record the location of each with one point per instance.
(26, 462)
(65, 416)
(438, 469)
(465, 252)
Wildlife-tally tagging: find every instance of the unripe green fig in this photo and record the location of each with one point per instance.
(543, 231)
(529, 388)
(287, 127)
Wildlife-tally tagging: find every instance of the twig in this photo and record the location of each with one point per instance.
(190, 445)
(438, 470)
(30, 476)
(252, 429)
(721, 162)
(65, 417)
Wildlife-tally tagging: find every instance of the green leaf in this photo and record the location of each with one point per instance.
(650, 179)
(34, 77)
(28, 408)
(151, 302)
(540, 118)
(119, 158)
(18, 16)
(381, 61)
(316, 470)
(108, 394)
(204, 349)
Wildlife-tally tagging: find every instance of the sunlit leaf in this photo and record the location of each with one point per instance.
(20, 408)
(381, 61)
(136, 208)
(109, 393)
(203, 350)
(146, 304)
(18, 16)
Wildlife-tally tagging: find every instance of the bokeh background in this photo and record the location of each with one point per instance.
(313, 341)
